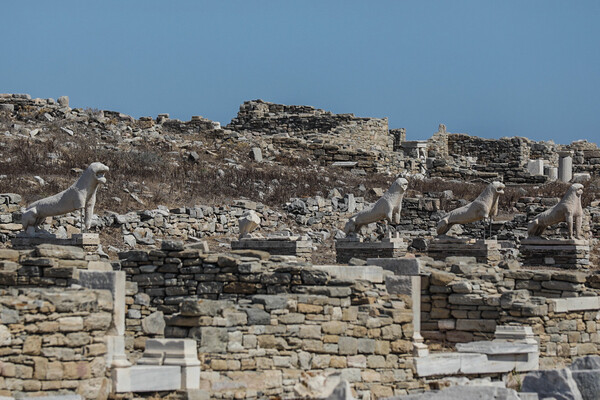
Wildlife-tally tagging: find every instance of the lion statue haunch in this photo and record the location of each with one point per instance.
(483, 207)
(388, 207)
(79, 196)
(568, 210)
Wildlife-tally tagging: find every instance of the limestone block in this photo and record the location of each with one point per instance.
(63, 101)
(114, 281)
(62, 252)
(574, 304)
(256, 154)
(170, 352)
(248, 223)
(350, 272)
(154, 323)
(535, 167)
(439, 364)
(146, 378)
(399, 266)
(465, 393)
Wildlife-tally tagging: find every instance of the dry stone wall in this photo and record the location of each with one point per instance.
(461, 156)
(262, 323)
(52, 342)
(364, 143)
(464, 301)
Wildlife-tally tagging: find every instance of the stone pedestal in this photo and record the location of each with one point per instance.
(514, 348)
(299, 246)
(87, 241)
(167, 364)
(565, 253)
(348, 248)
(485, 251)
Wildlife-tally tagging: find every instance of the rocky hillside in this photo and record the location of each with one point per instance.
(302, 169)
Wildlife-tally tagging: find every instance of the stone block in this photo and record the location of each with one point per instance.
(399, 266)
(574, 304)
(258, 317)
(476, 325)
(170, 352)
(347, 345)
(399, 284)
(558, 384)
(588, 383)
(585, 363)
(61, 252)
(535, 167)
(465, 392)
(146, 378)
(349, 272)
(114, 281)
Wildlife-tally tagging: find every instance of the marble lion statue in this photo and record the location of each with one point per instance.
(482, 208)
(79, 196)
(568, 210)
(388, 207)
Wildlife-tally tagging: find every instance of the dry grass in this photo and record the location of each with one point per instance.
(158, 175)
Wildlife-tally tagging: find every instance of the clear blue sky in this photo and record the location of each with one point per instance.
(488, 68)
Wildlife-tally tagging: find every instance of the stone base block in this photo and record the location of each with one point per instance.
(564, 253)
(346, 249)
(484, 251)
(299, 246)
(88, 241)
(146, 378)
(349, 272)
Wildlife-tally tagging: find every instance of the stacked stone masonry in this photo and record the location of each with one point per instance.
(269, 320)
(52, 342)
(464, 301)
(364, 143)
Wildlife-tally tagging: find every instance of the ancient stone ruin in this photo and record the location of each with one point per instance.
(455, 267)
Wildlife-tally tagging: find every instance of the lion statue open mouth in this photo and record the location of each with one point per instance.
(79, 196)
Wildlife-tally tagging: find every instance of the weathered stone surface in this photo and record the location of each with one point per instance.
(464, 393)
(588, 383)
(558, 384)
(63, 252)
(441, 278)
(154, 323)
(585, 363)
(257, 316)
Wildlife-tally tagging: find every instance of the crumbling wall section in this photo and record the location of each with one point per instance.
(326, 136)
